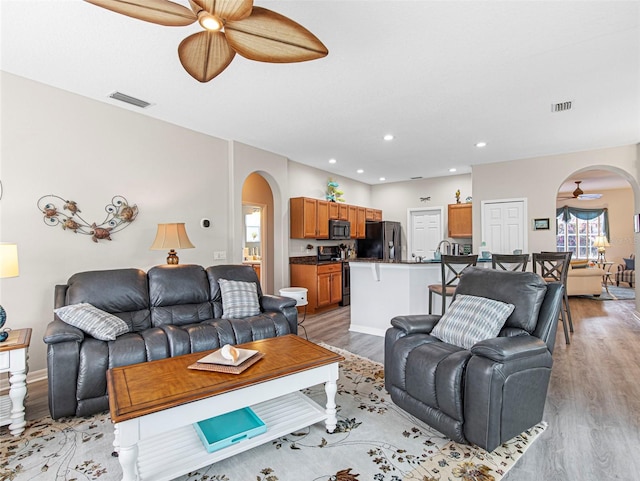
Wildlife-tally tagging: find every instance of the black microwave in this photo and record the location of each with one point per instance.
(339, 229)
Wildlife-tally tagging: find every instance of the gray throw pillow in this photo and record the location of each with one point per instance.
(629, 264)
(239, 299)
(471, 319)
(93, 321)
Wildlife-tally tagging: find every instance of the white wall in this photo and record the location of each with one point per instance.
(305, 181)
(273, 167)
(539, 179)
(396, 198)
(55, 142)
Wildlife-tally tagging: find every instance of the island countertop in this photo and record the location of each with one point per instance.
(404, 262)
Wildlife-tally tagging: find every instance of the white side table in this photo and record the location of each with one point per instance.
(300, 295)
(13, 359)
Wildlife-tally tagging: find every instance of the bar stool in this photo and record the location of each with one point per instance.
(300, 295)
(510, 262)
(451, 268)
(554, 267)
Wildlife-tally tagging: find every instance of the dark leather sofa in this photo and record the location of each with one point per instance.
(171, 310)
(495, 390)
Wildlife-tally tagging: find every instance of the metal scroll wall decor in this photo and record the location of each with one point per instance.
(119, 216)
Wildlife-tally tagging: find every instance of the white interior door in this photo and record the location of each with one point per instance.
(503, 225)
(424, 232)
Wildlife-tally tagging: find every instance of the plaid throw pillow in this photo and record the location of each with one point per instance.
(239, 299)
(471, 319)
(93, 321)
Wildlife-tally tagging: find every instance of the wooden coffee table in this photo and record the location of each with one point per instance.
(154, 404)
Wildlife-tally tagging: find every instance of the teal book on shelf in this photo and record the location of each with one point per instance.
(221, 431)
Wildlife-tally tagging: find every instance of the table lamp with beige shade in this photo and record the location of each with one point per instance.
(172, 237)
(601, 242)
(8, 268)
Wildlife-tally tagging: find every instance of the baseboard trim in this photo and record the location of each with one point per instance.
(39, 375)
(33, 376)
(367, 330)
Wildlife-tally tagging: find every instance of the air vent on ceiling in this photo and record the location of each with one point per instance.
(129, 100)
(416, 178)
(562, 106)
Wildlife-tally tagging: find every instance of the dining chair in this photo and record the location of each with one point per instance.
(554, 267)
(510, 262)
(451, 268)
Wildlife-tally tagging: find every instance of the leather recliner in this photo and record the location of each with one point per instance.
(495, 390)
(171, 310)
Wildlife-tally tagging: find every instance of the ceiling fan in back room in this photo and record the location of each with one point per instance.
(578, 193)
(230, 27)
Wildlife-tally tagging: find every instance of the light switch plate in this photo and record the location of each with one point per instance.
(219, 255)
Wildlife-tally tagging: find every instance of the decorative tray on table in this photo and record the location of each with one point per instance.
(228, 359)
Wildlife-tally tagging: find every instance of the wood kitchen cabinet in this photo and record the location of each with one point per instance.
(334, 211)
(357, 218)
(373, 214)
(353, 219)
(343, 212)
(361, 219)
(309, 218)
(302, 218)
(322, 219)
(459, 220)
(323, 282)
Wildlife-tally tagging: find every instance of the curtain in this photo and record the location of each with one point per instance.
(585, 214)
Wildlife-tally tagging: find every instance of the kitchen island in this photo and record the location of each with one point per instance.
(382, 290)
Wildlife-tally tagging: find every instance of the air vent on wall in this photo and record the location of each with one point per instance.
(562, 106)
(129, 100)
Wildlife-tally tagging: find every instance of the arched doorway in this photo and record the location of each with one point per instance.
(598, 188)
(258, 228)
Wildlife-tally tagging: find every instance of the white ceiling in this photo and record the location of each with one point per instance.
(439, 75)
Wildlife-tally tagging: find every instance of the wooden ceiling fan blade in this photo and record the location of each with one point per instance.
(162, 12)
(267, 36)
(227, 10)
(205, 55)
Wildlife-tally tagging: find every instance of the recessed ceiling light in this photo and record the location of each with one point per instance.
(332, 161)
(481, 144)
(388, 137)
(452, 169)
(382, 179)
(360, 171)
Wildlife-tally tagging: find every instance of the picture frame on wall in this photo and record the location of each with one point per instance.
(541, 224)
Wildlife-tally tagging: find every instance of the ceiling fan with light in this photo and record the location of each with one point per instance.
(230, 27)
(578, 193)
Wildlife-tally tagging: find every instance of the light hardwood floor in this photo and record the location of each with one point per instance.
(593, 405)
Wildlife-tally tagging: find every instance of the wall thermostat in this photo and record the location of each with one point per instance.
(205, 223)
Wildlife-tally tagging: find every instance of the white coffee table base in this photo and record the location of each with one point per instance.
(164, 445)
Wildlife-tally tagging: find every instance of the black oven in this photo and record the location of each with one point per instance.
(339, 229)
(346, 284)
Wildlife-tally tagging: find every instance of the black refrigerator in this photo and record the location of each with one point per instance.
(383, 241)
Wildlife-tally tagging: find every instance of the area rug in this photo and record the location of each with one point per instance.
(374, 441)
(616, 293)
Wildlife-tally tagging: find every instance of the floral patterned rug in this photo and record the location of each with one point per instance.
(374, 441)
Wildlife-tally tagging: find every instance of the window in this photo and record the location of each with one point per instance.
(577, 230)
(252, 226)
